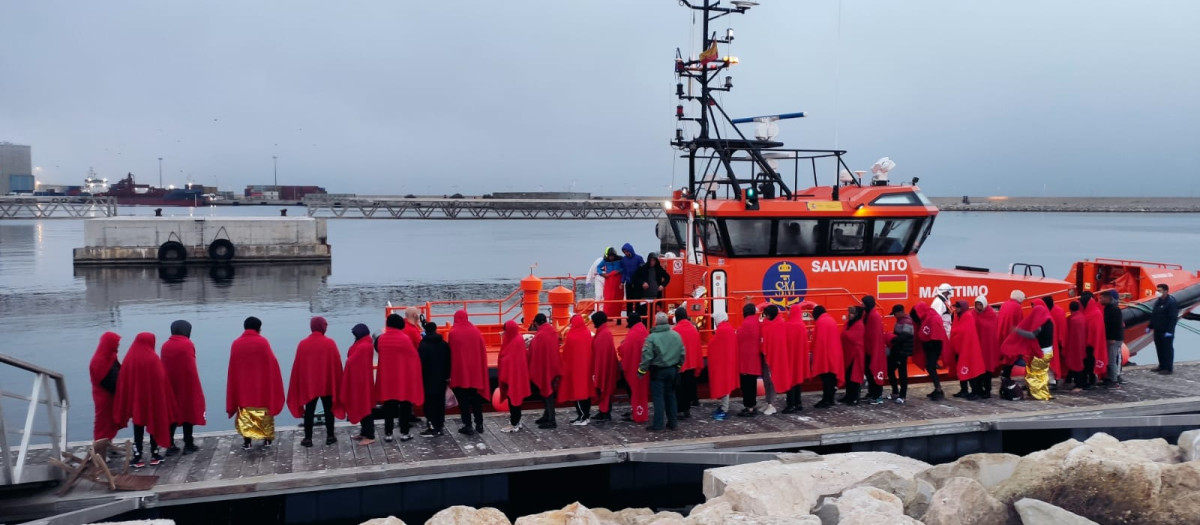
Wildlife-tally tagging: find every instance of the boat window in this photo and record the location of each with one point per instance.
(847, 236)
(798, 237)
(924, 230)
(678, 231)
(892, 235)
(749, 237)
(708, 231)
(897, 199)
(924, 200)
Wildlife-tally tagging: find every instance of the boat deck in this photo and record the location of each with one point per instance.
(223, 470)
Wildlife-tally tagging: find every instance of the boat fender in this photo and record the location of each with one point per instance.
(221, 250)
(172, 251)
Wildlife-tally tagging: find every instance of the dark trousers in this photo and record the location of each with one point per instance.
(853, 385)
(583, 409)
(793, 396)
(662, 389)
(1165, 347)
(435, 408)
(187, 435)
(471, 404)
(1089, 369)
(874, 390)
(685, 391)
(139, 436)
(933, 352)
(828, 387)
(367, 427)
(392, 410)
(749, 384)
(548, 414)
(310, 410)
(514, 414)
(898, 375)
(983, 384)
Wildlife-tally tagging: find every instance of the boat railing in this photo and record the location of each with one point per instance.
(1131, 262)
(49, 389)
(803, 161)
(490, 311)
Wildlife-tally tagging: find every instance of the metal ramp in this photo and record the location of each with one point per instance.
(49, 390)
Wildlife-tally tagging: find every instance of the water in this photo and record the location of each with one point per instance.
(52, 314)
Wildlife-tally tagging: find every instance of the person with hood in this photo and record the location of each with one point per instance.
(900, 348)
(577, 383)
(853, 336)
(596, 278)
(828, 360)
(1075, 348)
(722, 364)
(179, 360)
(630, 263)
(943, 307)
(435, 376)
(749, 358)
(144, 395)
(611, 269)
(1096, 361)
(254, 385)
(630, 353)
(989, 344)
(356, 397)
(777, 366)
(545, 368)
(874, 350)
(1163, 320)
(693, 363)
(104, 371)
(468, 371)
(1114, 335)
(932, 337)
(798, 356)
(1022, 342)
(413, 325)
(1010, 315)
(606, 367)
(316, 376)
(966, 351)
(513, 373)
(662, 356)
(649, 282)
(397, 377)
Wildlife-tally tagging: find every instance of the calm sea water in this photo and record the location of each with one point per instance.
(52, 314)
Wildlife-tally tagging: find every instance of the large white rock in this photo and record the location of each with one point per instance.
(863, 505)
(772, 488)
(462, 515)
(1036, 512)
(573, 514)
(1189, 442)
(623, 516)
(988, 469)
(915, 494)
(720, 512)
(964, 500)
(390, 520)
(662, 518)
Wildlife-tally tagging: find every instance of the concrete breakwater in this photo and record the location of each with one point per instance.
(1071, 204)
(142, 240)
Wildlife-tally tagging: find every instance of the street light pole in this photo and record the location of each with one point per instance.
(160, 172)
(275, 165)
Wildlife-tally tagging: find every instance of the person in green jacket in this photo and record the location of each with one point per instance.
(662, 355)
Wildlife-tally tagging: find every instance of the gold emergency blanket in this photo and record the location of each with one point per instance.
(1037, 378)
(255, 423)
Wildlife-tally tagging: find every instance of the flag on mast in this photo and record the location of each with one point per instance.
(710, 54)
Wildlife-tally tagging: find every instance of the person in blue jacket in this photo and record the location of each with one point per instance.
(629, 264)
(1162, 323)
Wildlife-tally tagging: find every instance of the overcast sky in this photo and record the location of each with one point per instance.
(1070, 97)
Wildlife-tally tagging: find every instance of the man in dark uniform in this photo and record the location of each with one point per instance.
(1162, 322)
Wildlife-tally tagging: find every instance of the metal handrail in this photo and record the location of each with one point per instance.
(1164, 266)
(56, 401)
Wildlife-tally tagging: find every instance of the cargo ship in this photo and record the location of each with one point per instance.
(129, 193)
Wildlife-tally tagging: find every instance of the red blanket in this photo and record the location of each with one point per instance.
(989, 340)
(798, 352)
(827, 349)
(775, 347)
(631, 358)
(852, 351)
(965, 359)
(104, 426)
(143, 393)
(254, 379)
(577, 362)
(468, 356)
(316, 372)
(514, 366)
(605, 365)
(749, 339)
(873, 346)
(356, 396)
(722, 361)
(1017, 345)
(179, 360)
(398, 375)
(545, 363)
(693, 351)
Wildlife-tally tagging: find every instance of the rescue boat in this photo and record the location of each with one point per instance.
(747, 229)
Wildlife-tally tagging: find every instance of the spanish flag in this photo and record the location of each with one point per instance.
(710, 54)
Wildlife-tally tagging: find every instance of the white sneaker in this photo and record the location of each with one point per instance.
(769, 410)
(581, 422)
(511, 428)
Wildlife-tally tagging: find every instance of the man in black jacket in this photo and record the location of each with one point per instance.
(1162, 322)
(435, 375)
(1114, 333)
(648, 284)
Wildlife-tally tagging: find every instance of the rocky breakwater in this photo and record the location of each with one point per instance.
(1098, 481)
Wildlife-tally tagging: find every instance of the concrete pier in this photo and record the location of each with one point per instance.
(142, 240)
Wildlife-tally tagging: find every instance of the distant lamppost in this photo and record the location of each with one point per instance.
(160, 172)
(275, 165)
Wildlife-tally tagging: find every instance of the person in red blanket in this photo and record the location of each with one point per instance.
(254, 385)
(777, 368)
(1022, 342)
(966, 350)
(828, 362)
(986, 323)
(179, 359)
(605, 366)
(693, 363)
(104, 370)
(545, 368)
(413, 325)
(316, 376)
(853, 336)
(1010, 315)
(874, 350)
(356, 396)
(577, 383)
(749, 359)
(722, 364)
(468, 371)
(630, 353)
(1076, 348)
(1059, 318)
(513, 373)
(144, 395)
(1095, 363)
(398, 383)
(931, 335)
(797, 338)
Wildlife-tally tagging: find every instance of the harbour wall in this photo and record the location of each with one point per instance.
(142, 240)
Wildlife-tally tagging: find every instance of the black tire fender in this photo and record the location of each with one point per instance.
(172, 251)
(221, 250)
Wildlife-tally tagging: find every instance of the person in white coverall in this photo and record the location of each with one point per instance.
(596, 279)
(941, 305)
